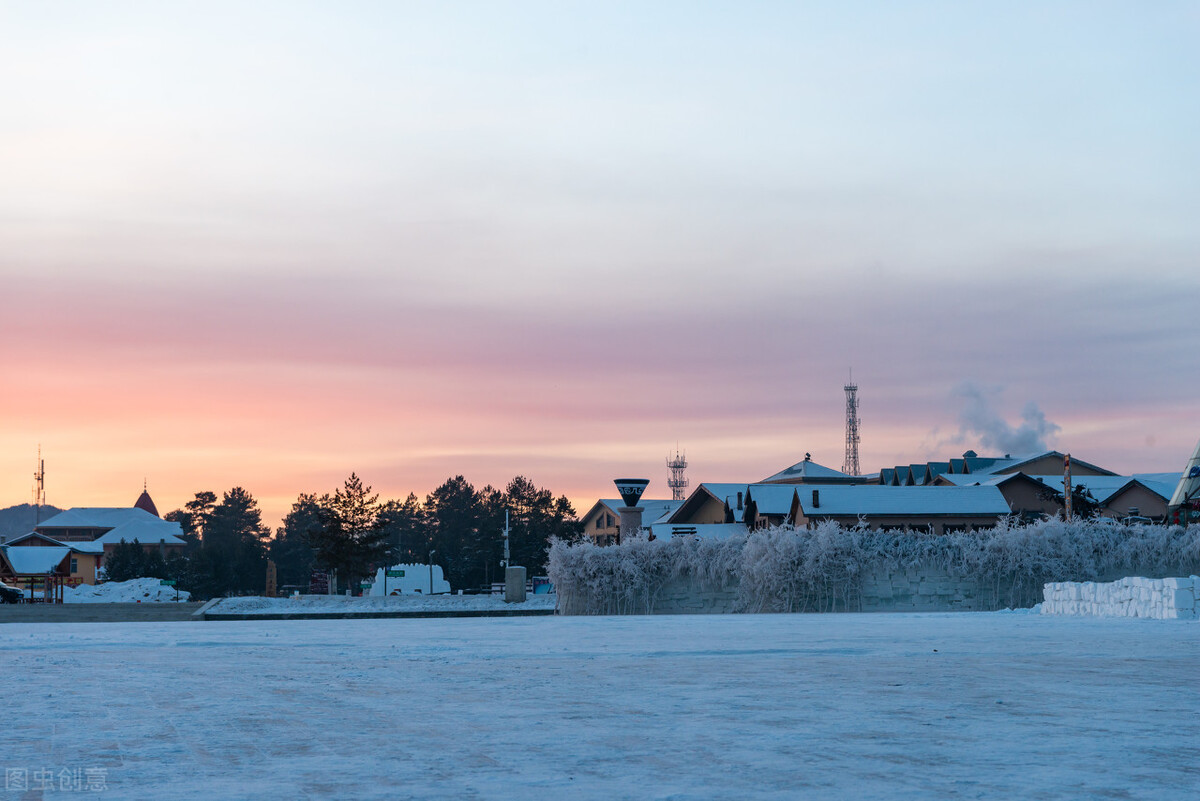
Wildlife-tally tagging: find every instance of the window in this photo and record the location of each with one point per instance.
(74, 565)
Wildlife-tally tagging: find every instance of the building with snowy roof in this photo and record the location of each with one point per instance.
(809, 472)
(1036, 496)
(72, 545)
(602, 523)
(939, 510)
(971, 463)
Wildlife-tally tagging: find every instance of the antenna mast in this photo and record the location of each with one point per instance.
(39, 488)
(677, 482)
(850, 466)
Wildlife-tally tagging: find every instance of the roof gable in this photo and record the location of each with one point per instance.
(33, 560)
(771, 499)
(806, 471)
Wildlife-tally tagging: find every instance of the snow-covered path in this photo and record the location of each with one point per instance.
(747, 706)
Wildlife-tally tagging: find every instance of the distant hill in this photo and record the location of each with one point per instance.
(16, 520)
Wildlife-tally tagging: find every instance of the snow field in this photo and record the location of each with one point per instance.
(690, 707)
(1161, 599)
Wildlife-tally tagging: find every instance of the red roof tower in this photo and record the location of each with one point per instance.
(145, 503)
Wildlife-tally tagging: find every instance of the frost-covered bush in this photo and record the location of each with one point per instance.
(821, 569)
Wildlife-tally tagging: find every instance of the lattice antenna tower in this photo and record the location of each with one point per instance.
(39, 487)
(850, 466)
(677, 482)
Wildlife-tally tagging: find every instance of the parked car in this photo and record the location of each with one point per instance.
(10, 594)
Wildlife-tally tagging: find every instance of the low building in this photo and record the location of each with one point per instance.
(971, 463)
(602, 523)
(938, 510)
(1036, 496)
(71, 546)
(809, 472)
(710, 504)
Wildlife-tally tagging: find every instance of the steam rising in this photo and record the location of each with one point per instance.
(980, 419)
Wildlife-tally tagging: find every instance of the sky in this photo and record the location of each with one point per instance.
(269, 244)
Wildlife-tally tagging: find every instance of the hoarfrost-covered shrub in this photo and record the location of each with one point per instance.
(821, 569)
(629, 578)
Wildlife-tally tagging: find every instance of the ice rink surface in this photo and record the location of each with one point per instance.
(966, 705)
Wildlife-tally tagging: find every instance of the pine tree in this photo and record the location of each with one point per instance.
(291, 549)
(349, 538)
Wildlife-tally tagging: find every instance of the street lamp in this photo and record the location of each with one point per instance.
(431, 555)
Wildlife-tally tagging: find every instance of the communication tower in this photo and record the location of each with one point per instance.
(39, 488)
(850, 466)
(677, 482)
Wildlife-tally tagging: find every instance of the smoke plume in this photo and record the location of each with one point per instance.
(980, 419)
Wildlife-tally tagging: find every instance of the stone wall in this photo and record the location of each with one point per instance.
(923, 591)
(682, 598)
(915, 590)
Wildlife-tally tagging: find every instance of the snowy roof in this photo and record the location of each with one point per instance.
(1102, 488)
(875, 499)
(977, 479)
(807, 470)
(98, 517)
(653, 510)
(34, 559)
(990, 464)
(144, 531)
(80, 547)
(1162, 483)
(34, 535)
(772, 499)
(713, 531)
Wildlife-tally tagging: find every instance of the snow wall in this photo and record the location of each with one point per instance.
(832, 569)
(1161, 599)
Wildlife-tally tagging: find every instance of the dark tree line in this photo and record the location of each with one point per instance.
(461, 527)
(353, 532)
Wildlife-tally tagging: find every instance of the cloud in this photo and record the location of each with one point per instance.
(980, 420)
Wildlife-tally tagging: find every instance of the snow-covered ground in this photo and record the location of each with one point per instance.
(965, 705)
(340, 604)
(145, 590)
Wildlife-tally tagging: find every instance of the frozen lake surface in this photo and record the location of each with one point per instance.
(987, 705)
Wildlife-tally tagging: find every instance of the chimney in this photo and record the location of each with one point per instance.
(739, 501)
(816, 499)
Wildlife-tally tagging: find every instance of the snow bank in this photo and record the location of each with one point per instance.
(1161, 599)
(143, 590)
(340, 604)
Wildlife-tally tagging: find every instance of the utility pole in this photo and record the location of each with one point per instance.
(507, 530)
(39, 488)
(1067, 492)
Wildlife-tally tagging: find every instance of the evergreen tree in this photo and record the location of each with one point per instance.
(349, 538)
(124, 562)
(453, 513)
(231, 558)
(194, 516)
(405, 528)
(291, 550)
(536, 517)
(132, 560)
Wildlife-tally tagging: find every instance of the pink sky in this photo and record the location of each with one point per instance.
(267, 246)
